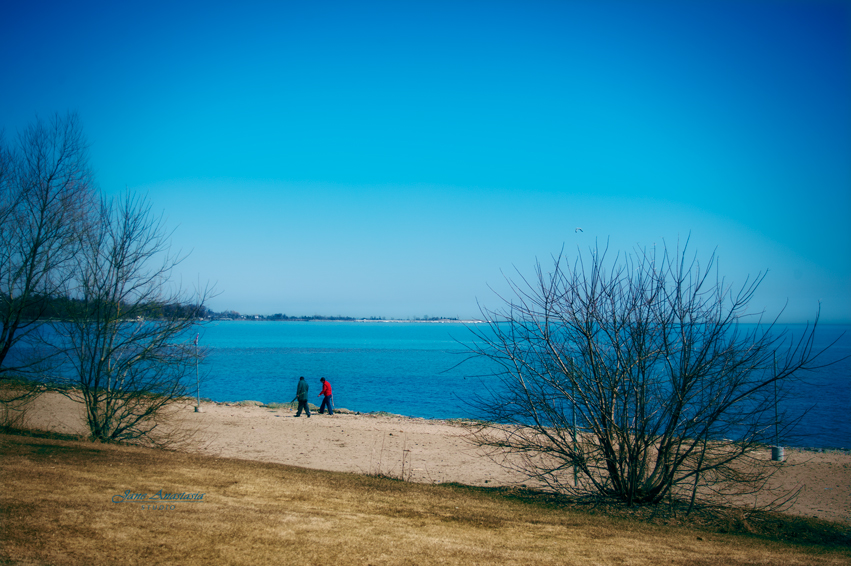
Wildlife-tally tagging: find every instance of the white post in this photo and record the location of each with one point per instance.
(197, 380)
(776, 450)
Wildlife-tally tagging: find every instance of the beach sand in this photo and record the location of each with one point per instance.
(420, 450)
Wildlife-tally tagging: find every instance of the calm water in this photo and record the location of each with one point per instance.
(402, 368)
(408, 369)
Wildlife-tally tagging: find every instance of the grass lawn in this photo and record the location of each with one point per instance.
(73, 502)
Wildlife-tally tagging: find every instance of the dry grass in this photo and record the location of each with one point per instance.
(57, 509)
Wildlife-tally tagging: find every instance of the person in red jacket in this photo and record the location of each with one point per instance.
(328, 399)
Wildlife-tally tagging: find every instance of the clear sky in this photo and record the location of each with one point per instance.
(394, 159)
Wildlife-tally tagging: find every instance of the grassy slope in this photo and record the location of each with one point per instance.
(56, 508)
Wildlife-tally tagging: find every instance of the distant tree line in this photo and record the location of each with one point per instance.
(45, 308)
(233, 315)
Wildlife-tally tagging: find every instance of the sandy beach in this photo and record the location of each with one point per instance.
(421, 450)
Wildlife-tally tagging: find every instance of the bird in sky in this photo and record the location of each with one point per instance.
(578, 230)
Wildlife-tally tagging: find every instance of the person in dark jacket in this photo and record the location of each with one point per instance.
(301, 395)
(327, 398)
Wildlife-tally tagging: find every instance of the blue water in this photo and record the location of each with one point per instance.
(409, 369)
(402, 368)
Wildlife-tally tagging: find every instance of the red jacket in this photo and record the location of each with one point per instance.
(326, 389)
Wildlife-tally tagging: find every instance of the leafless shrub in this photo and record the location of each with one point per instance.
(127, 332)
(623, 380)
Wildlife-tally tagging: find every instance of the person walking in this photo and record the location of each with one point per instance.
(301, 395)
(327, 398)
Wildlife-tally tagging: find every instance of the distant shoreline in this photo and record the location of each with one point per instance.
(258, 318)
(442, 321)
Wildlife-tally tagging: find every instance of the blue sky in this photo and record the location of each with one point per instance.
(394, 159)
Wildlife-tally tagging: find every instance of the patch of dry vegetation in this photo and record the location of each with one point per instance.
(57, 508)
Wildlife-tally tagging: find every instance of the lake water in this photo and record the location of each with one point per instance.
(412, 369)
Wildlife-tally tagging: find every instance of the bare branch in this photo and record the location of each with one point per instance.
(127, 333)
(625, 378)
(47, 193)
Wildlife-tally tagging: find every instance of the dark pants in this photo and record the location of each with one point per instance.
(302, 405)
(327, 401)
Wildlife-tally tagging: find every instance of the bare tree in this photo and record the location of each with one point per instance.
(46, 191)
(128, 333)
(625, 379)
